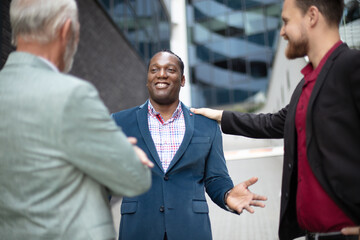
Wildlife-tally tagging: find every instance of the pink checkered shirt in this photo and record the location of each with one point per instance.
(167, 136)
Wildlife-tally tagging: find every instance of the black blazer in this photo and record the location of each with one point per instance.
(332, 132)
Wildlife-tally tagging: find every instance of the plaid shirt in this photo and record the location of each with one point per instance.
(167, 136)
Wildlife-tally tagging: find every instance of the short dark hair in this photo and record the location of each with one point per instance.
(332, 10)
(181, 63)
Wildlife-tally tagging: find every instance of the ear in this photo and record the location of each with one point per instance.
(313, 15)
(183, 81)
(65, 30)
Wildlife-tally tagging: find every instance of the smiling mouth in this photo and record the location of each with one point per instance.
(161, 85)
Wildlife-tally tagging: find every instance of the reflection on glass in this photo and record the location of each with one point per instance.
(144, 23)
(352, 11)
(231, 48)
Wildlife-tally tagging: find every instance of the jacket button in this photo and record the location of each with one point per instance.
(166, 177)
(289, 165)
(162, 209)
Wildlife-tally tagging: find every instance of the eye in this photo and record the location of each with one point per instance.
(285, 21)
(154, 70)
(171, 70)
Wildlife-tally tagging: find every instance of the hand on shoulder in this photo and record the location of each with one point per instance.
(209, 113)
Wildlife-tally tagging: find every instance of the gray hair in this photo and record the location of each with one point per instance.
(39, 20)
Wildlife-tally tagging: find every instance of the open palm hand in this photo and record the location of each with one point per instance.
(240, 197)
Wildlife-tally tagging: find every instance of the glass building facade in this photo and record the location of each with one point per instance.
(350, 25)
(145, 24)
(231, 48)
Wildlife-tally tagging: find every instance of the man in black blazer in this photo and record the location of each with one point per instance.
(320, 126)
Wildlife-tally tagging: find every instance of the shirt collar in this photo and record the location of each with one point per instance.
(50, 64)
(176, 114)
(310, 73)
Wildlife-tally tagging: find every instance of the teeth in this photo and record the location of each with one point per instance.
(161, 85)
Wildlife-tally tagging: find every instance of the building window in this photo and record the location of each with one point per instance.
(144, 23)
(231, 48)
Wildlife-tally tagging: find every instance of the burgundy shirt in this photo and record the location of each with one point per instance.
(316, 211)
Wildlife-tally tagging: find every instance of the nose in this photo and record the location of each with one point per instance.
(282, 31)
(162, 73)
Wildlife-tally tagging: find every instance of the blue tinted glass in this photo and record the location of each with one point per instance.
(241, 95)
(199, 15)
(231, 48)
(203, 53)
(257, 39)
(210, 97)
(258, 69)
(255, 21)
(272, 36)
(143, 22)
(234, 4)
(222, 96)
(253, 3)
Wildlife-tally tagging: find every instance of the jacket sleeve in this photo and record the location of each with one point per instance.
(254, 125)
(354, 78)
(97, 147)
(217, 179)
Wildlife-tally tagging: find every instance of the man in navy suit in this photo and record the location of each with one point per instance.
(188, 156)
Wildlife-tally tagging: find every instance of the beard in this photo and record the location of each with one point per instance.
(298, 48)
(69, 54)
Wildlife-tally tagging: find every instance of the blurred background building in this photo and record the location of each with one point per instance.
(116, 40)
(232, 51)
(232, 44)
(144, 23)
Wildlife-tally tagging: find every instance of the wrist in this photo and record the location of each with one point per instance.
(226, 196)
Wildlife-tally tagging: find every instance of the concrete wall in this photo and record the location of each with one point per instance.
(104, 57)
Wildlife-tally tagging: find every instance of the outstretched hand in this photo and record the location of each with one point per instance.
(240, 197)
(209, 113)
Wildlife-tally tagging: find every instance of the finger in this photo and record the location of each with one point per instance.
(249, 209)
(197, 110)
(132, 140)
(259, 197)
(250, 181)
(148, 163)
(257, 204)
(144, 160)
(239, 210)
(143, 157)
(350, 231)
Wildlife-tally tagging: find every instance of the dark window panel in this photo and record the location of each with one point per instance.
(258, 69)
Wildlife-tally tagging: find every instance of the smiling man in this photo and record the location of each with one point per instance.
(321, 127)
(187, 153)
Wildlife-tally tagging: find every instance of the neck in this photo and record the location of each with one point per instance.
(51, 51)
(318, 48)
(166, 111)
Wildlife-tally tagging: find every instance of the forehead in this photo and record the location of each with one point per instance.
(289, 8)
(164, 58)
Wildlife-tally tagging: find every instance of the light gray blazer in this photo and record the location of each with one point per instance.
(60, 156)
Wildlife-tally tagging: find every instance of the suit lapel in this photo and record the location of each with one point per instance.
(142, 119)
(318, 85)
(189, 131)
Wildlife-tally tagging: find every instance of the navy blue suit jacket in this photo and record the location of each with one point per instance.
(176, 202)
